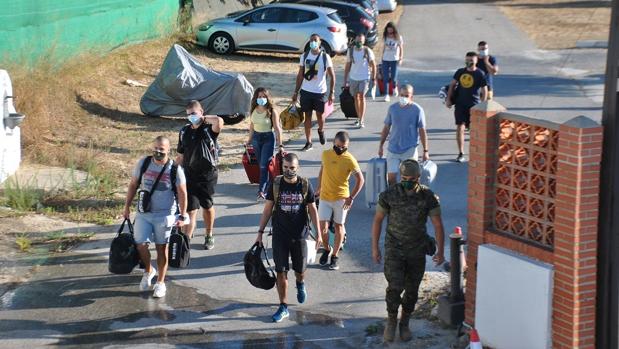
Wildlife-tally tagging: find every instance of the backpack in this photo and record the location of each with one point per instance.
(123, 255)
(313, 66)
(178, 249)
(366, 54)
(255, 271)
(208, 149)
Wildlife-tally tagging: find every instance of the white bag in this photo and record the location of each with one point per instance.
(373, 91)
(310, 252)
(428, 172)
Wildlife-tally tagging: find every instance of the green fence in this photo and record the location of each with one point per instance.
(31, 30)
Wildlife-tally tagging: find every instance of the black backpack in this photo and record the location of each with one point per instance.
(255, 271)
(178, 249)
(123, 251)
(347, 103)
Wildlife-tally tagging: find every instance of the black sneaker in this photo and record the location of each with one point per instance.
(321, 136)
(308, 146)
(333, 265)
(460, 158)
(324, 258)
(209, 242)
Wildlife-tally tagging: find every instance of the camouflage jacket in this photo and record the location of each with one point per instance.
(407, 213)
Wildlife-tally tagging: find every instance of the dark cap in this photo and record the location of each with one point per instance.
(410, 168)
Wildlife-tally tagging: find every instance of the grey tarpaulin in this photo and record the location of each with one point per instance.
(183, 78)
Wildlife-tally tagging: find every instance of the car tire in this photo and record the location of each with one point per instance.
(221, 43)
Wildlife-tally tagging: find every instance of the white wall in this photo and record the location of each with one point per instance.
(10, 140)
(513, 301)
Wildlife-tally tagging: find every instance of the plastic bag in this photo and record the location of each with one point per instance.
(428, 172)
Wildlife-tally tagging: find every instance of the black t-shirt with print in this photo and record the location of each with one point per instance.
(290, 216)
(469, 86)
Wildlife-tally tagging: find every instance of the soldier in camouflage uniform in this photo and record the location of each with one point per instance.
(408, 205)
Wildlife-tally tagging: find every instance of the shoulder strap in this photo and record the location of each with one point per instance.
(351, 55)
(173, 172)
(159, 177)
(304, 188)
(366, 54)
(143, 169)
(324, 60)
(276, 184)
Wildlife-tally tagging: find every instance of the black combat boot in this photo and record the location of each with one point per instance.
(405, 332)
(390, 327)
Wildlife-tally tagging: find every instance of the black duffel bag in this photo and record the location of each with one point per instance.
(178, 249)
(255, 271)
(123, 251)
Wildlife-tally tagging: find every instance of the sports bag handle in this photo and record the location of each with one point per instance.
(122, 227)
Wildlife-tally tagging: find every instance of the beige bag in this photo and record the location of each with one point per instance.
(291, 117)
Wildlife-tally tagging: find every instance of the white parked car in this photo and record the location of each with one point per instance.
(276, 28)
(387, 5)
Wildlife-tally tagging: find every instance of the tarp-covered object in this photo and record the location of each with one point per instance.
(183, 78)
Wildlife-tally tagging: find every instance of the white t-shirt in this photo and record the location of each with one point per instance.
(360, 68)
(392, 49)
(319, 83)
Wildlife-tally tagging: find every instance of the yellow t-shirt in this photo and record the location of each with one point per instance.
(262, 123)
(336, 170)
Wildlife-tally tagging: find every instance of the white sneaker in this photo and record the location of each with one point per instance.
(159, 290)
(147, 280)
(387, 99)
(356, 123)
(361, 125)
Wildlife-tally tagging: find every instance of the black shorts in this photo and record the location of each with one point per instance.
(284, 249)
(463, 116)
(312, 101)
(200, 192)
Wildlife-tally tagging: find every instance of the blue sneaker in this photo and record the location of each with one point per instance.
(281, 313)
(301, 292)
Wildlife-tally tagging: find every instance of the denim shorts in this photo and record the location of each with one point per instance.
(153, 227)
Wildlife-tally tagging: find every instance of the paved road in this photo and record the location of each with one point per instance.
(75, 302)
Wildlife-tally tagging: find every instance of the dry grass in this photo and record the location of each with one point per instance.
(82, 114)
(559, 24)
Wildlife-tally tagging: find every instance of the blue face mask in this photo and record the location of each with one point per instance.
(194, 119)
(261, 101)
(313, 45)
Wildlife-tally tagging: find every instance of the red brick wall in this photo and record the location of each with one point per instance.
(573, 227)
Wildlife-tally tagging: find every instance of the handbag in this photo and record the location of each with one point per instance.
(179, 252)
(291, 117)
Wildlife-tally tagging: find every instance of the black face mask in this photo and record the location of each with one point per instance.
(338, 150)
(159, 155)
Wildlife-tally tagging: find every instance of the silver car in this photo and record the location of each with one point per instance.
(275, 28)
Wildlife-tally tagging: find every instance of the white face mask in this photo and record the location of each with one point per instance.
(261, 101)
(403, 101)
(483, 53)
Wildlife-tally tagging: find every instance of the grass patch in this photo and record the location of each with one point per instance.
(23, 242)
(59, 241)
(101, 212)
(21, 196)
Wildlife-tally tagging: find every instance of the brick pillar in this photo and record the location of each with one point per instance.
(483, 151)
(575, 247)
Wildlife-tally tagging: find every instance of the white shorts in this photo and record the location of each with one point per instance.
(394, 160)
(328, 208)
(153, 227)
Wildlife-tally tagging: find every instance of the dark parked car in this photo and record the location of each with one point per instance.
(357, 20)
(369, 6)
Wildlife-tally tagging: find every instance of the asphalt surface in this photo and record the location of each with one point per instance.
(73, 302)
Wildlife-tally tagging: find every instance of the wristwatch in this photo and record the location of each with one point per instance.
(260, 231)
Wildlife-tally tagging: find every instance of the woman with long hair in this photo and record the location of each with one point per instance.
(393, 51)
(264, 119)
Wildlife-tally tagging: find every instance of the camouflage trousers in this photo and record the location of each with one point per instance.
(404, 269)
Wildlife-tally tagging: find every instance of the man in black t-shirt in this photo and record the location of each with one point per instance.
(488, 64)
(288, 201)
(470, 87)
(197, 152)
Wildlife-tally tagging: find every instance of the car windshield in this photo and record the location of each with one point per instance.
(335, 17)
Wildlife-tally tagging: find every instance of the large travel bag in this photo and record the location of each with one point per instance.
(276, 165)
(250, 163)
(347, 103)
(123, 251)
(375, 180)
